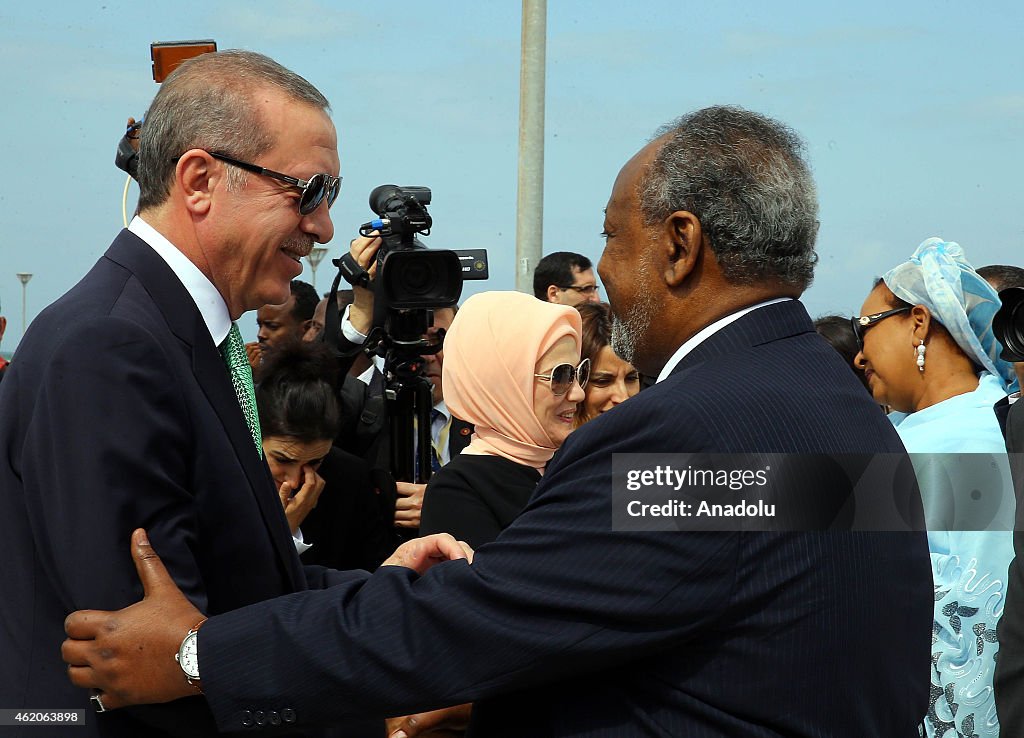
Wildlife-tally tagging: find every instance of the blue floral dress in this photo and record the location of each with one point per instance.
(960, 458)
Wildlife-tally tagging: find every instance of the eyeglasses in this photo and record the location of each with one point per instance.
(563, 375)
(314, 190)
(583, 289)
(861, 324)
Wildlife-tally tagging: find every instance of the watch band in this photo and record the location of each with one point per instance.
(195, 681)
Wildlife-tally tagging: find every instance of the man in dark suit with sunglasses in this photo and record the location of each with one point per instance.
(569, 624)
(121, 410)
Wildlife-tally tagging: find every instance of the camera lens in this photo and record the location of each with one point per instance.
(419, 277)
(1008, 324)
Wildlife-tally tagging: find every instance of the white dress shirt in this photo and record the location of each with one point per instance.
(706, 332)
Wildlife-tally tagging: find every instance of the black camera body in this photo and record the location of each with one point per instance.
(1008, 324)
(411, 282)
(409, 276)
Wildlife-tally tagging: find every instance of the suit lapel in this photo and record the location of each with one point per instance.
(213, 377)
(186, 322)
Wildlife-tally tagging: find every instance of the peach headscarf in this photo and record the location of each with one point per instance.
(490, 355)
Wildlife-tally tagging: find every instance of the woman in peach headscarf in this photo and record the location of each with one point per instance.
(511, 368)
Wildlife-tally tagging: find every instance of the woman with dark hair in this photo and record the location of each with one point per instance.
(299, 418)
(612, 380)
(928, 352)
(836, 329)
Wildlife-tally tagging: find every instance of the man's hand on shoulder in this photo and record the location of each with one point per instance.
(127, 656)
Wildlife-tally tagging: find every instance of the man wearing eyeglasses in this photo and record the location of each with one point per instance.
(565, 278)
(130, 403)
(570, 625)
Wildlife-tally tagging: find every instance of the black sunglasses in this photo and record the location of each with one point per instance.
(314, 190)
(585, 289)
(563, 375)
(864, 322)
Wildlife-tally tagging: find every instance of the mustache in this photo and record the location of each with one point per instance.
(299, 245)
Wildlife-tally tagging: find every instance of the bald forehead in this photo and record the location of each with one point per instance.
(628, 181)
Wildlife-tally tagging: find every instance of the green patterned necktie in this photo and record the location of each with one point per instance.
(233, 351)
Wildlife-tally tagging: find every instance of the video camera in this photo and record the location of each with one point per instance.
(411, 279)
(1008, 324)
(411, 282)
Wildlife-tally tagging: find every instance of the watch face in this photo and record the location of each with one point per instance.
(188, 656)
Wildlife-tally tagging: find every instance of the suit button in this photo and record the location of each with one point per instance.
(288, 715)
(247, 721)
(275, 719)
(261, 719)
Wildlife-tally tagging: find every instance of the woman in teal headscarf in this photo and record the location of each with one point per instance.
(928, 352)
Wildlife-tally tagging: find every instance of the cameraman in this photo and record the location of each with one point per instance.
(370, 437)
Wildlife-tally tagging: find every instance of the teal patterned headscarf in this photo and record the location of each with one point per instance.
(940, 278)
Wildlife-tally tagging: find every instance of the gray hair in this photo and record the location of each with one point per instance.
(207, 103)
(745, 178)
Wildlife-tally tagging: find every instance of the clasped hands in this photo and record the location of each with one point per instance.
(127, 656)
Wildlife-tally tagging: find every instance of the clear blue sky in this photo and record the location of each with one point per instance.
(913, 113)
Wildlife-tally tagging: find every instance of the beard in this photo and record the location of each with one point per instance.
(628, 332)
(630, 328)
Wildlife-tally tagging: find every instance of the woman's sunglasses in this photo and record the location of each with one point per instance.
(563, 375)
(861, 324)
(314, 190)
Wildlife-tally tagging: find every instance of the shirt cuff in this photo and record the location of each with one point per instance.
(348, 330)
(300, 545)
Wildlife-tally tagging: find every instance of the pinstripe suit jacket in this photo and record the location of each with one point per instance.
(563, 626)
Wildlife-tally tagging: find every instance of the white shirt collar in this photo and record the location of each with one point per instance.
(206, 297)
(706, 332)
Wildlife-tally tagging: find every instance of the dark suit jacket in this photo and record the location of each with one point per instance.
(120, 413)
(474, 498)
(564, 626)
(365, 432)
(364, 429)
(1002, 411)
(1009, 676)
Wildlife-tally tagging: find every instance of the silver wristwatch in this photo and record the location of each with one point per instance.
(188, 655)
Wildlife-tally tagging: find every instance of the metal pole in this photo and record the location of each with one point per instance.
(530, 197)
(24, 277)
(315, 257)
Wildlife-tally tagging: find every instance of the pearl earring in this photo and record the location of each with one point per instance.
(920, 356)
